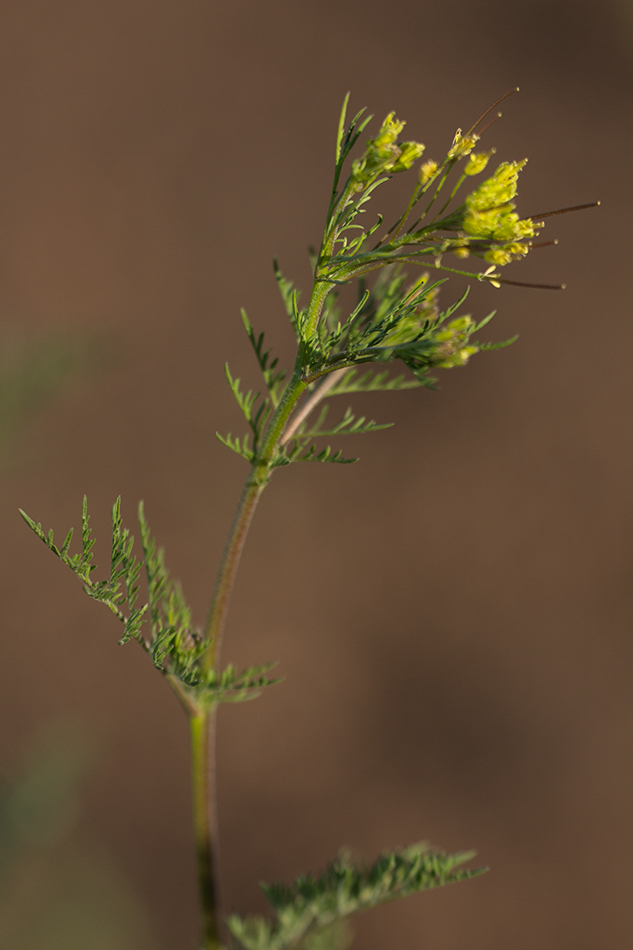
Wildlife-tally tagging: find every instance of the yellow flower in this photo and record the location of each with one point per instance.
(409, 153)
(462, 144)
(384, 155)
(427, 171)
(477, 162)
(498, 190)
(459, 357)
(453, 348)
(506, 253)
(489, 209)
(389, 131)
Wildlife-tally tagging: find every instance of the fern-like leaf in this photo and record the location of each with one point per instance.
(119, 592)
(348, 425)
(300, 450)
(273, 377)
(314, 903)
(232, 686)
(240, 448)
(173, 635)
(371, 381)
(290, 298)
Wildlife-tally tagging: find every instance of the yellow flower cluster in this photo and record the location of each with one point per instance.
(452, 349)
(490, 210)
(506, 253)
(385, 154)
(497, 190)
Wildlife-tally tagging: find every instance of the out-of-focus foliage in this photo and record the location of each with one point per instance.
(32, 371)
(57, 893)
(311, 908)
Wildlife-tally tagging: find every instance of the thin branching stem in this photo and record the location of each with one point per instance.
(228, 569)
(254, 486)
(255, 483)
(319, 393)
(203, 722)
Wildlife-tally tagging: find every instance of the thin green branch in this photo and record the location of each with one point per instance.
(319, 393)
(228, 569)
(254, 486)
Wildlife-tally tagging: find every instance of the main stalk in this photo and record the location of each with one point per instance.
(202, 765)
(203, 720)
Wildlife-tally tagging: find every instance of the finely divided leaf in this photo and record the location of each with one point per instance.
(371, 381)
(290, 297)
(349, 425)
(240, 448)
(174, 645)
(313, 903)
(272, 376)
(120, 590)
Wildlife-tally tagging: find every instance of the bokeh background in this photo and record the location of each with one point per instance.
(452, 614)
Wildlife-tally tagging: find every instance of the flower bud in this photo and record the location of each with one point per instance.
(458, 358)
(490, 211)
(383, 154)
(498, 190)
(389, 131)
(409, 153)
(462, 144)
(477, 162)
(427, 171)
(452, 347)
(506, 253)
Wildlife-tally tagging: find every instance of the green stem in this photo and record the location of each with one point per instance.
(203, 720)
(319, 393)
(202, 736)
(228, 569)
(255, 483)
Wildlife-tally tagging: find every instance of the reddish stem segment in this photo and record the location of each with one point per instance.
(228, 570)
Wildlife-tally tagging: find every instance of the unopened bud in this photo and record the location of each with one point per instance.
(409, 153)
(477, 162)
(498, 190)
(389, 131)
(462, 144)
(505, 254)
(427, 171)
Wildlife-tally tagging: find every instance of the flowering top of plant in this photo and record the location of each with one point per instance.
(483, 224)
(396, 318)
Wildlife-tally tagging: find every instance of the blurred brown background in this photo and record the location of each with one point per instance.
(453, 614)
